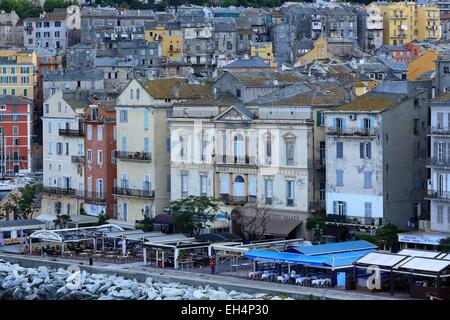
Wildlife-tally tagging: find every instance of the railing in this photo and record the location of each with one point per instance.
(71, 132)
(139, 193)
(60, 191)
(90, 195)
(437, 162)
(133, 156)
(224, 159)
(438, 194)
(237, 200)
(444, 131)
(362, 132)
(77, 159)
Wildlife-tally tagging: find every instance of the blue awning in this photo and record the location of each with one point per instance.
(334, 260)
(333, 248)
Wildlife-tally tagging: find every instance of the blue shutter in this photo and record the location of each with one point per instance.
(334, 207)
(369, 150)
(145, 119)
(361, 150)
(344, 207)
(334, 123)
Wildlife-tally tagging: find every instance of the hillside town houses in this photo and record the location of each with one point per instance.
(321, 109)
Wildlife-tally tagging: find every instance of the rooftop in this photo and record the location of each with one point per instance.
(247, 63)
(8, 99)
(177, 88)
(372, 101)
(74, 75)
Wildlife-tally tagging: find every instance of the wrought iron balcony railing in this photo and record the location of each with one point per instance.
(237, 200)
(351, 132)
(138, 193)
(133, 156)
(71, 132)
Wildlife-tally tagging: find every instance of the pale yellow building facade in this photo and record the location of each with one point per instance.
(17, 72)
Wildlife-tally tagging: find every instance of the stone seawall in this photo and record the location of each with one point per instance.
(195, 279)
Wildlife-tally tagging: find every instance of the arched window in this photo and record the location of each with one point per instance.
(239, 186)
(239, 146)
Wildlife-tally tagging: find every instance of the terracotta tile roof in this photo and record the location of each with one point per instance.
(372, 102)
(442, 97)
(177, 88)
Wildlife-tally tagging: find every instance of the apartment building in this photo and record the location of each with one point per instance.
(16, 129)
(99, 158)
(11, 31)
(143, 161)
(54, 31)
(404, 22)
(375, 156)
(370, 27)
(17, 72)
(63, 145)
(439, 183)
(170, 37)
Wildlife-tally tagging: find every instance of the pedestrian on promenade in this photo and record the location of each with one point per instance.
(91, 261)
(212, 264)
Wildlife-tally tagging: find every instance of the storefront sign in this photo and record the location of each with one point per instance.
(421, 239)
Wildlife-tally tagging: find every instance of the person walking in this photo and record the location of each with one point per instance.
(212, 264)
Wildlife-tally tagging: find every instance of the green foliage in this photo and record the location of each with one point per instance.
(314, 221)
(23, 203)
(386, 236)
(146, 225)
(61, 220)
(191, 214)
(102, 219)
(24, 8)
(126, 4)
(445, 244)
(49, 5)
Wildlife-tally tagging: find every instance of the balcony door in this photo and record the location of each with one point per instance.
(239, 186)
(440, 183)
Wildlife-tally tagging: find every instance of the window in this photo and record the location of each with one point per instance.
(123, 116)
(239, 146)
(100, 133)
(184, 185)
(131, 93)
(15, 130)
(367, 179)
(203, 185)
(340, 208)
(238, 93)
(58, 148)
(138, 94)
(365, 150)
(125, 211)
(67, 148)
(440, 214)
(16, 141)
(290, 152)
(416, 127)
(146, 145)
(147, 185)
(57, 24)
(49, 148)
(339, 178)
(89, 132)
(145, 119)
(224, 183)
(99, 157)
(89, 156)
(290, 193)
(268, 189)
(269, 146)
(124, 144)
(339, 150)
(99, 187)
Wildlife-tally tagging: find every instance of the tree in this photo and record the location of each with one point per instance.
(315, 223)
(24, 8)
(22, 202)
(385, 236)
(50, 5)
(445, 244)
(191, 214)
(253, 225)
(61, 219)
(102, 218)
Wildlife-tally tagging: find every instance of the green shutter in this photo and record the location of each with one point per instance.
(319, 118)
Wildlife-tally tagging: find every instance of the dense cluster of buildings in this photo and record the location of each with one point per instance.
(326, 108)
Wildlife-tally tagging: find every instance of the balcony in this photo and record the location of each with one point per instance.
(237, 200)
(136, 193)
(438, 194)
(71, 132)
(397, 17)
(94, 196)
(133, 156)
(438, 162)
(60, 191)
(439, 131)
(234, 160)
(77, 159)
(351, 132)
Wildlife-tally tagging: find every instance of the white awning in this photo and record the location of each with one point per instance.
(381, 259)
(46, 217)
(419, 253)
(426, 264)
(124, 224)
(82, 219)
